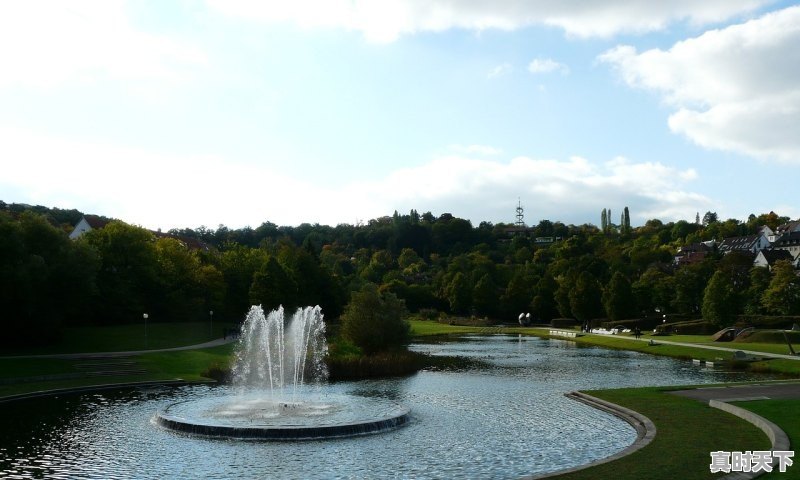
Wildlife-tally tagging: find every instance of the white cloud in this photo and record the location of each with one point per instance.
(169, 190)
(386, 20)
(547, 65)
(500, 70)
(734, 89)
(573, 190)
(44, 43)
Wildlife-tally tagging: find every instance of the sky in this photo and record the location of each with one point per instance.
(188, 113)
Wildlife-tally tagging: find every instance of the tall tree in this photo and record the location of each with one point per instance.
(272, 286)
(543, 304)
(485, 296)
(618, 298)
(719, 300)
(782, 297)
(604, 221)
(127, 281)
(459, 294)
(585, 298)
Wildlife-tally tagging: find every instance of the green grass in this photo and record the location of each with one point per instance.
(189, 365)
(687, 431)
(426, 328)
(121, 338)
(786, 414)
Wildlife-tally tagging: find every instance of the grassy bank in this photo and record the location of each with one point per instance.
(123, 338)
(35, 374)
(786, 414)
(688, 431)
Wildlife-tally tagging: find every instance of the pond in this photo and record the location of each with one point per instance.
(507, 419)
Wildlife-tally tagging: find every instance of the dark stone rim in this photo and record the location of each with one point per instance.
(285, 432)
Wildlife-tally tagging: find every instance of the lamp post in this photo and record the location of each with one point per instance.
(145, 330)
(211, 323)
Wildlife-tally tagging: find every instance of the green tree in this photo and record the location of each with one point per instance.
(782, 297)
(585, 298)
(272, 286)
(653, 291)
(618, 298)
(238, 264)
(543, 305)
(459, 294)
(561, 296)
(719, 300)
(690, 282)
(485, 297)
(518, 295)
(128, 281)
(375, 322)
(759, 283)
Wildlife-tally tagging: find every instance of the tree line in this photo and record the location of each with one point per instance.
(432, 263)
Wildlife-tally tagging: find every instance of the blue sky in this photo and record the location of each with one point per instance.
(188, 113)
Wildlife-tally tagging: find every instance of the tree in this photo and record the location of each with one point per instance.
(690, 282)
(585, 298)
(625, 225)
(272, 286)
(604, 221)
(618, 298)
(782, 297)
(709, 218)
(459, 294)
(485, 296)
(719, 300)
(518, 295)
(127, 281)
(759, 283)
(653, 291)
(375, 322)
(543, 305)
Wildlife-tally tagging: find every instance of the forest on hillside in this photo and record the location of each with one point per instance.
(436, 264)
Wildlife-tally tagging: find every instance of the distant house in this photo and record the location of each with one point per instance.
(692, 253)
(767, 258)
(789, 227)
(93, 222)
(789, 242)
(767, 232)
(87, 223)
(750, 243)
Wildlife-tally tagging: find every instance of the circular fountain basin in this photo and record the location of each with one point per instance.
(256, 416)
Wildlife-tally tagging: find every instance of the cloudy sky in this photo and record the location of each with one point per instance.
(173, 114)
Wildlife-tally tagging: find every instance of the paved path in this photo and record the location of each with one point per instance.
(731, 393)
(696, 345)
(213, 343)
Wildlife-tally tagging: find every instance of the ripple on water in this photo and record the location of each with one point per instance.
(502, 422)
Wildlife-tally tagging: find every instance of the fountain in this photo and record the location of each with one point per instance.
(278, 389)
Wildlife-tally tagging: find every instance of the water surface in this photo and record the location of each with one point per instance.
(503, 421)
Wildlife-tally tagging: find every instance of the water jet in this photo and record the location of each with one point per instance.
(279, 384)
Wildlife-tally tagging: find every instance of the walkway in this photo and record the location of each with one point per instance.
(213, 343)
(733, 393)
(659, 340)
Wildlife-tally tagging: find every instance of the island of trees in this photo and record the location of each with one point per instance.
(429, 265)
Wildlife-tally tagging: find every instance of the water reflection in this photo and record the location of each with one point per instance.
(503, 420)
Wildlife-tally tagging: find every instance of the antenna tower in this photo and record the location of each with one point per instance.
(520, 214)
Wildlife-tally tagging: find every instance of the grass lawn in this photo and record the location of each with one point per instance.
(426, 328)
(121, 338)
(786, 414)
(35, 374)
(687, 431)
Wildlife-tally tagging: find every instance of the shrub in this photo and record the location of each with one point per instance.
(375, 322)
